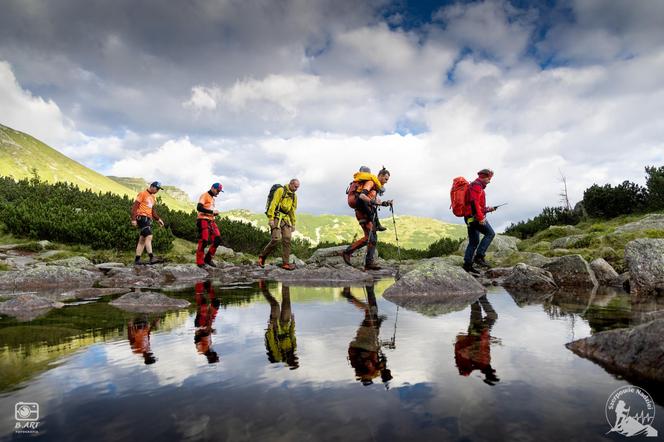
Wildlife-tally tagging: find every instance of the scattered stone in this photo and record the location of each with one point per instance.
(148, 302)
(41, 277)
(634, 353)
(501, 244)
(569, 242)
(498, 272)
(225, 252)
(45, 244)
(653, 221)
(27, 307)
(79, 262)
(524, 277)
(331, 256)
(645, 260)
(182, 272)
(572, 271)
(327, 276)
(605, 274)
(435, 287)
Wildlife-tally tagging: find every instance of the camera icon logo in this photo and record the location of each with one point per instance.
(26, 411)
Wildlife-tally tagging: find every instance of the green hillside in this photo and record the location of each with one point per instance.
(22, 155)
(414, 232)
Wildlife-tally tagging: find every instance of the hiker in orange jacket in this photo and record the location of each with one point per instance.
(142, 214)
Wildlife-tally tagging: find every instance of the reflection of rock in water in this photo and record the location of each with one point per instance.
(523, 298)
(636, 353)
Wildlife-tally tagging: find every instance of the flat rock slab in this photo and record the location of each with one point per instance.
(43, 277)
(88, 293)
(326, 276)
(653, 221)
(136, 276)
(106, 266)
(435, 287)
(528, 278)
(634, 353)
(645, 260)
(182, 272)
(572, 271)
(148, 302)
(79, 262)
(27, 307)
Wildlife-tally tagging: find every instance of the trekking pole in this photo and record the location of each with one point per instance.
(396, 235)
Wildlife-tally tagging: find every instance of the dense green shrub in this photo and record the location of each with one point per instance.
(608, 201)
(443, 247)
(550, 216)
(655, 186)
(62, 212)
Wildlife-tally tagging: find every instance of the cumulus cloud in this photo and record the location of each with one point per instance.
(253, 94)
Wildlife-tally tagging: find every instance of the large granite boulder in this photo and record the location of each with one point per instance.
(528, 278)
(43, 277)
(435, 287)
(327, 276)
(635, 353)
(605, 273)
(501, 245)
(570, 242)
(572, 271)
(148, 302)
(645, 260)
(79, 262)
(26, 307)
(654, 221)
(331, 256)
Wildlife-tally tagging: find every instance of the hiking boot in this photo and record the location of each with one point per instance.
(288, 266)
(380, 227)
(155, 260)
(261, 261)
(201, 265)
(480, 261)
(208, 261)
(138, 263)
(468, 267)
(372, 266)
(346, 256)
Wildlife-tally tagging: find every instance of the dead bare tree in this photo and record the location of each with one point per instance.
(564, 196)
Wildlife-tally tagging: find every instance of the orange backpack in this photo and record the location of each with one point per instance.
(353, 193)
(458, 195)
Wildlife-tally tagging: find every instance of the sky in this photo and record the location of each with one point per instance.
(255, 92)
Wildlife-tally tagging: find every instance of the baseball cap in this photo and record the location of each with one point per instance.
(156, 184)
(218, 186)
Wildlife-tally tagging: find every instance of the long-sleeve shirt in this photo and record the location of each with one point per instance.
(476, 202)
(283, 205)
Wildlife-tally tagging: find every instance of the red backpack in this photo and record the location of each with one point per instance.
(458, 195)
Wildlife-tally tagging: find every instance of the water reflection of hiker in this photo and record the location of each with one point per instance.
(138, 334)
(364, 351)
(280, 340)
(472, 351)
(205, 316)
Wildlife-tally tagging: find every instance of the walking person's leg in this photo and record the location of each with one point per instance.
(489, 234)
(286, 232)
(275, 238)
(473, 241)
(203, 237)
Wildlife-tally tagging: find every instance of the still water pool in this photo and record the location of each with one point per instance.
(283, 363)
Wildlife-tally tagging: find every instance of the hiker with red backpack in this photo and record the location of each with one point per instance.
(280, 210)
(363, 197)
(475, 218)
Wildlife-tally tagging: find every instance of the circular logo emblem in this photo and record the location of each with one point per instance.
(630, 411)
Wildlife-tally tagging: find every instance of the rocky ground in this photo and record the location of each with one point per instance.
(31, 287)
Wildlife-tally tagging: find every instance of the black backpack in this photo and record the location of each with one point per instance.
(271, 195)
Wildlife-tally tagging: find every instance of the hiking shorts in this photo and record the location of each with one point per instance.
(144, 225)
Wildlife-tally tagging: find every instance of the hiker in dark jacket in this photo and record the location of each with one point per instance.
(476, 222)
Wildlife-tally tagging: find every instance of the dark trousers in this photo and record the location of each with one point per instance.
(475, 247)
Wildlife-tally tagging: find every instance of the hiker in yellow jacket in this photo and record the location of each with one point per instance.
(281, 219)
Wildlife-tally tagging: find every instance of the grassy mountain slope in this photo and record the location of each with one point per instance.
(21, 154)
(414, 232)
